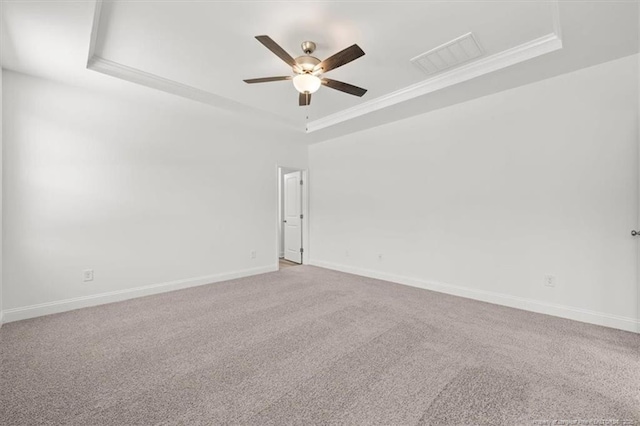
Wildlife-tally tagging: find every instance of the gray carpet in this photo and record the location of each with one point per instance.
(311, 346)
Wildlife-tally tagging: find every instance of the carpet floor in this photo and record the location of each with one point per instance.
(307, 345)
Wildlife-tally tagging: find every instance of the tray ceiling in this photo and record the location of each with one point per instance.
(210, 46)
(203, 50)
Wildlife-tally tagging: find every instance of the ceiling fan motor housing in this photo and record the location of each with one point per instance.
(306, 64)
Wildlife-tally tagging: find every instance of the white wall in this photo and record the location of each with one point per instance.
(1, 197)
(484, 198)
(142, 194)
(487, 196)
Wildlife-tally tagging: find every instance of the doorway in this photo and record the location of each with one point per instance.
(292, 220)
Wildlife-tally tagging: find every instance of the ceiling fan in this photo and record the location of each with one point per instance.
(308, 70)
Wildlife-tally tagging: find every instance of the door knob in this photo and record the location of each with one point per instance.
(635, 233)
(285, 221)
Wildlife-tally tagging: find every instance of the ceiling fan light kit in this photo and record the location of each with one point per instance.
(308, 69)
(306, 83)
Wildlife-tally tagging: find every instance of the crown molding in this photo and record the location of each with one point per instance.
(134, 75)
(524, 52)
(555, 17)
(93, 41)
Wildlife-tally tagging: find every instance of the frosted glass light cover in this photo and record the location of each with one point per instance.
(306, 83)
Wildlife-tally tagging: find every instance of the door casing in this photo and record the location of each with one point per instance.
(280, 171)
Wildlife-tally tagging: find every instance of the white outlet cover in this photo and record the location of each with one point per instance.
(550, 280)
(87, 275)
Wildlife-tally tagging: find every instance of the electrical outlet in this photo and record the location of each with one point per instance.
(87, 275)
(550, 280)
(253, 254)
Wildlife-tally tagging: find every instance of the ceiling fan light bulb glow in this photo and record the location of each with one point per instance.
(306, 83)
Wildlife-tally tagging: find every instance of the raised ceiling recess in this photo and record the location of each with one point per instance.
(204, 50)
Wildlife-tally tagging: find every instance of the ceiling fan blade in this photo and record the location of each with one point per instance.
(344, 87)
(267, 79)
(345, 56)
(304, 99)
(275, 48)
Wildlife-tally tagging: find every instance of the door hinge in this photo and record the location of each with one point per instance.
(301, 216)
(300, 181)
(301, 250)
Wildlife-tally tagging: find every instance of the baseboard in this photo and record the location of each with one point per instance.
(16, 314)
(569, 312)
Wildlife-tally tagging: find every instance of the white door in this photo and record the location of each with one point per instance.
(292, 220)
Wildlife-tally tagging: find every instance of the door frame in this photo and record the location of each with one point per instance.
(305, 211)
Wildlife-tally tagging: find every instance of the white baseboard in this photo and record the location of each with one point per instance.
(577, 314)
(16, 314)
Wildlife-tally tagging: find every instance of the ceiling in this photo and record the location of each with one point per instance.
(203, 50)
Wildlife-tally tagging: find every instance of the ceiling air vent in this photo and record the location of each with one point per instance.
(449, 55)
